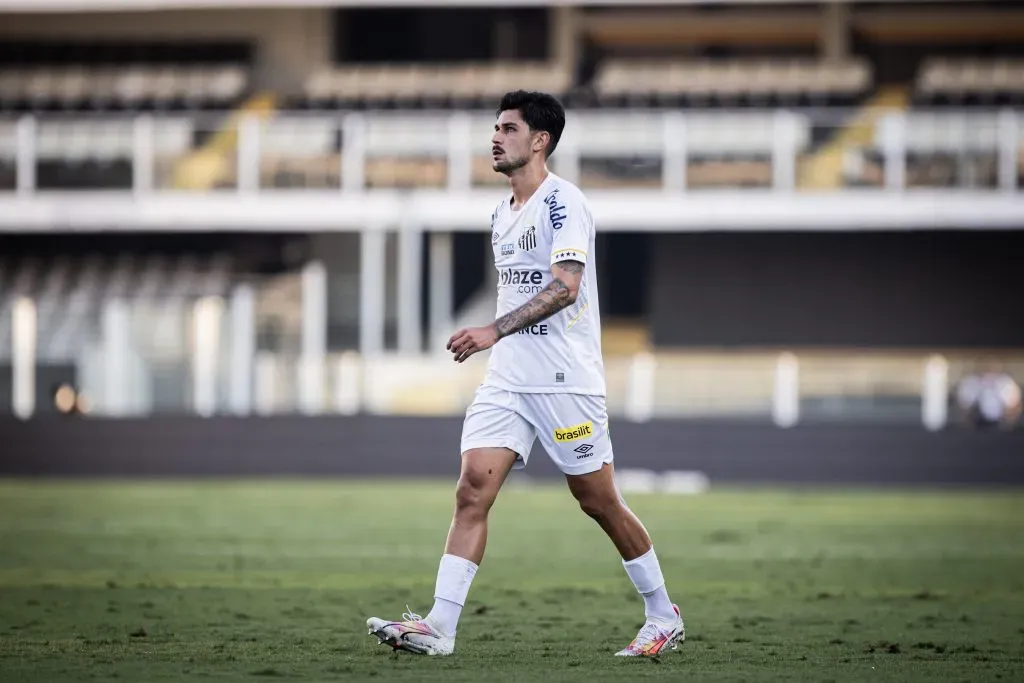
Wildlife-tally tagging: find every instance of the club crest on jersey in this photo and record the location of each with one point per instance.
(528, 238)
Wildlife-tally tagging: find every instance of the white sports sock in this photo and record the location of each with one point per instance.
(444, 616)
(645, 572)
(454, 576)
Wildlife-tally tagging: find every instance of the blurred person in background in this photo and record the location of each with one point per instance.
(989, 398)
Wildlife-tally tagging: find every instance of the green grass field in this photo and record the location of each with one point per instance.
(256, 581)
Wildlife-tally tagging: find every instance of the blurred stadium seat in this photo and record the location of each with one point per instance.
(70, 293)
(129, 88)
(731, 82)
(426, 85)
(966, 82)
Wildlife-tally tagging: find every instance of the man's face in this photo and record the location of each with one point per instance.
(513, 144)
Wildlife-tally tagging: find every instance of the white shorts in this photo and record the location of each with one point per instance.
(573, 428)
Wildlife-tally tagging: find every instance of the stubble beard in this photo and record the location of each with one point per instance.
(510, 166)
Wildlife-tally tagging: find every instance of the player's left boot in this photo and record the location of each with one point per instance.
(413, 634)
(655, 638)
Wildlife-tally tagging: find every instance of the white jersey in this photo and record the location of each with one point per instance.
(561, 354)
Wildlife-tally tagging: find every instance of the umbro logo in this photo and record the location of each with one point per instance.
(584, 451)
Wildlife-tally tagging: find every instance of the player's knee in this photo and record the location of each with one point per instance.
(470, 493)
(598, 507)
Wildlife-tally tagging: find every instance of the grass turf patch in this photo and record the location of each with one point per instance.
(274, 580)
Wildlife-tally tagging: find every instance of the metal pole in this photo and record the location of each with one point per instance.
(460, 152)
(934, 393)
(249, 154)
(673, 170)
(442, 291)
(23, 357)
(410, 279)
(353, 153)
(26, 159)
(567, 161)
(372, 268)
(206, 317)
(266, 383)
(142, 154)
(786, 395)
(640, 387)
(784, 152)
(116, 355)
(895, 145)
(243, 346)
(347, 388)
(1009, 141)
(314, 337)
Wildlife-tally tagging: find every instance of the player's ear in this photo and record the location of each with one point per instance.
(540, 140)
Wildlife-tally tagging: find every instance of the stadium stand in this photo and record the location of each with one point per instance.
(302, 142)
(943, 149)
(731, 82)
(70, 293)
(967, 82)
(301, 151)
(740, 99)
(85, 97)
(617, 82)
(128, 87)
(731, 148)
(75, 76)
(365, 86)
(828, 165)
(97, 153)
(621, 149)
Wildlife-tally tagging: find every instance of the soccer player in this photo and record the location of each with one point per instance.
(545, 379)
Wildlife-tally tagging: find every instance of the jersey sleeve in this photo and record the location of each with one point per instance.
(571, 227)
(494, 214)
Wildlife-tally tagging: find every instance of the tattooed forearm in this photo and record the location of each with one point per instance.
(571, 266)
(549, 301)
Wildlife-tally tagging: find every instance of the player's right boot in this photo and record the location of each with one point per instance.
(655, 638)
(413, 634)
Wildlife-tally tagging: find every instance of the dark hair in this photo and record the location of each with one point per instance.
(540, 111)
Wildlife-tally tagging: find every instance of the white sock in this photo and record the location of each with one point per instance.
(645, 573)
(454, 576)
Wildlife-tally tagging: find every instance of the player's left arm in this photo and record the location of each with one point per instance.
(571, 228)
(560, 292)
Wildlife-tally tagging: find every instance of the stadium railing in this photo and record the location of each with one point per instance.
(672, 150)
(189, 353)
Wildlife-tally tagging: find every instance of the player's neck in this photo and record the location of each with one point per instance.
(525, 182)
